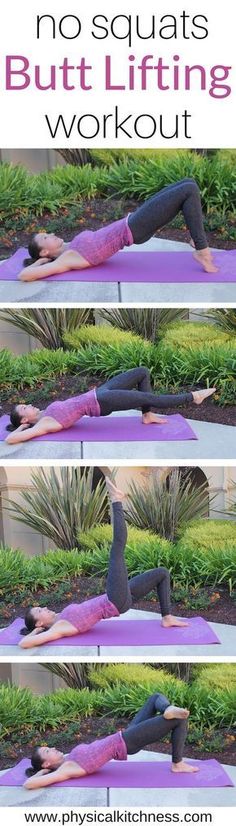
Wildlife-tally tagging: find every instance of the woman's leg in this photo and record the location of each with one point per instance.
(138, 377)
(164, 206)
(157, 702)
(118, 590)
(152, 730)
(111, 401)
(156, 579)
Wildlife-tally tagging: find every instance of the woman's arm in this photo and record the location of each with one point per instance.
(46, 425)
(62, 628)
(69, 260)
(67, 770)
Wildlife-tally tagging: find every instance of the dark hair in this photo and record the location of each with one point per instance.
(30, 623)
(33, 250)
(36, 762)
(15, 420)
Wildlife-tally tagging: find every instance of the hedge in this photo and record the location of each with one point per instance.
(121, 689)
(204, 554)
(131, 176)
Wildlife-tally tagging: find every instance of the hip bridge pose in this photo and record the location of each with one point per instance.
(155, 720)
(51, 255)
(126, 391)
(43, 625)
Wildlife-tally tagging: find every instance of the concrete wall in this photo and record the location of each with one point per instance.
(14, 480)
(36, 160)
(32, 676)
(15, 340)
(35, 677)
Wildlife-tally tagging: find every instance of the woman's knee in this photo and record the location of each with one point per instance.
(192, 186)
(165, 574)
(144, 372)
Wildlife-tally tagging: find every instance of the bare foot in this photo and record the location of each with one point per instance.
(152, 418)
(204, 258)
(171, 622)
(176, 713)
(184, 767)
(199, 396)
(115, 494)
(192, 243)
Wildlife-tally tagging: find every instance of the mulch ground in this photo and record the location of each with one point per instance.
(219, 745)
(214, 604)
(65, 386)
(15, 231)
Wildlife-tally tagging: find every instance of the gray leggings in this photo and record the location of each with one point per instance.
(184, 196)
(119, 393)
(148, 727)
(121, 590)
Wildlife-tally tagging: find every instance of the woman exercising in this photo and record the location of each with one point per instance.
(43, 625)
(118, 393)
(50, 255)
(154, 721)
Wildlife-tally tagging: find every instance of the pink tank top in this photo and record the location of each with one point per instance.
(84, 615)
(96, 246)
(69, 411)
(91, 756)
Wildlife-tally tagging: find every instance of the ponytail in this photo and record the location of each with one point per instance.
(36, 763)
(15, 420)
(34, 252)
(30, 623)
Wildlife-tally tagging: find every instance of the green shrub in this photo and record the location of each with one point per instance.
(28, 369)
(14, 188)
(143, 550)
(65, 704)
(188, 334)
(208, 365)
(213, 695)
(13, 565)
(127, 174)
(108, 351)
(225, 319)
(124, 689)
(150, 323)
(204, 553)
(208, 550)
(17, 708)
(164, 509)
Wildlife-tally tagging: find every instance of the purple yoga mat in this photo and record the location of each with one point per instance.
(115, 429)
(126, 632)
(135, 775)
(152, 267)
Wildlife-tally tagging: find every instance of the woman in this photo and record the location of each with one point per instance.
(43, 625)
(50, 255)
(52, 766)
(116, 394)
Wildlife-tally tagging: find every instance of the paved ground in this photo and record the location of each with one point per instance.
(215, 441)
(125, 797)
(91, 293)
(225, 633)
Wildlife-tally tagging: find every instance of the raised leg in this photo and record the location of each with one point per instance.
(118, 590)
